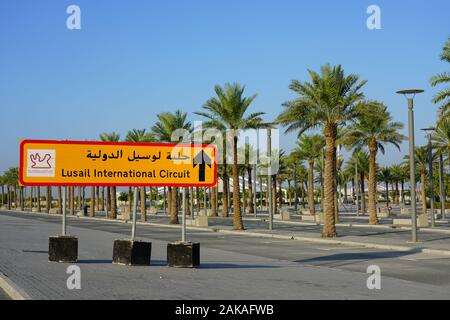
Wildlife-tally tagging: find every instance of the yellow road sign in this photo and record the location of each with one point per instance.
(77, 163)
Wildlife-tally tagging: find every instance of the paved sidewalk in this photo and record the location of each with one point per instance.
(373, 236)
(224, 273)
(380, 237)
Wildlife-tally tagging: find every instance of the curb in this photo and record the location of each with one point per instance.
(12, 290)
(445, 253)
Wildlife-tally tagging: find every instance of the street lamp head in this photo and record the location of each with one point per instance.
(410, 93)
(430, 129)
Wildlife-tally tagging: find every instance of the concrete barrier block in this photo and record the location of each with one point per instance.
(422, 221)
(404, 211)
(201, 221)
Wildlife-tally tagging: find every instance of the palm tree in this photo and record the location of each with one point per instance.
(136, 136)
(2, 185)
(163, 130)
(421, 160)
(385, 175)
(328, 101)
(373, 129)
(227, 111)
(111, 137)
(11, 179)
(250, 154)
(397, 177)
(360, 160)
(441, 137)
(309, 148)
(443, 96)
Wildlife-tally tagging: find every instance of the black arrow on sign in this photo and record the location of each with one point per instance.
(202, 159)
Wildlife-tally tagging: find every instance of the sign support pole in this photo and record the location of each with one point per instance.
(64, 211)
(183, 229)
(135, 200)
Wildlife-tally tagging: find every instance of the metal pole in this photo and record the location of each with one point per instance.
(357, 189)
(191, 195)
(255, 209)
(441, 186)
(412, 170)
(64, 212)
(295, 189)
(430, 160)
(183, 229)
(269, 151)
(260, 194)
(243, 194)
(135, 202)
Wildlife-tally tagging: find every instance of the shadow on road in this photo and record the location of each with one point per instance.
(233, 266)
(360, 256)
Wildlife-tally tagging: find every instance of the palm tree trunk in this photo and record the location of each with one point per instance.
(387, 193)
(3, 196)
(31, 198)
(102, 203)
(173, 205)
(97, 196)
(130, 200)
(225, 191)
(346, 193)
(48, 199)
(422, 189)
(16, 205)
(169, 201)
(303, 196)
(93, 201)
(186, 202)
(353, 191)
(363, 195)
(38, 196)
(237, 219)
(403, 191)
(9, 197)
(289, 193)
(397, 195)
(280, 199)
(214, 202)
(22, 202)
(311, 203)
(373, 218)
(60, 200)
(143, 205)
(329, 228)
(108, 199)
(112, 196)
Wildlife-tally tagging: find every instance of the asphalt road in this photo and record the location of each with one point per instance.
(405, 274)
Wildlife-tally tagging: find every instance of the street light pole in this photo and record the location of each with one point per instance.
(357, 189)
(269, 153)
(410, 94)
(441, 186)
(430, 172)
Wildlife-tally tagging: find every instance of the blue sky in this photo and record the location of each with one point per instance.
(134, 59)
